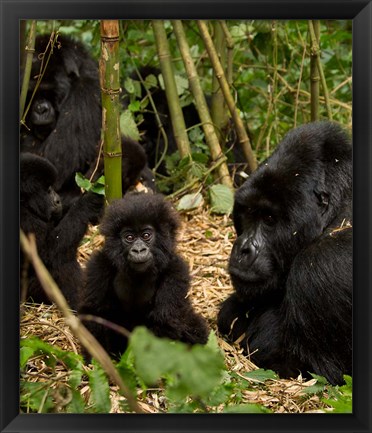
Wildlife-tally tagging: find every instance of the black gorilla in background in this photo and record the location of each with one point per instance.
(138, 278)
(57, 236)
(291, 265)
(64, 122)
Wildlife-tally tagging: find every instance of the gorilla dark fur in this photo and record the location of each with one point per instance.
(138, 278)
(64, 122)
(291, 265)
(57, 236)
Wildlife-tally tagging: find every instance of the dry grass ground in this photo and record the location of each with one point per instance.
(205, 241)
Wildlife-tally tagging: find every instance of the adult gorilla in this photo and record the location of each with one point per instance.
(291, 265)
(64, 122)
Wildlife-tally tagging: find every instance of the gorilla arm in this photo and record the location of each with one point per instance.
(66, 236)
(172, 315)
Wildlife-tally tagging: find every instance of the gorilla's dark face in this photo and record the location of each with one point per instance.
(36, 191)
(138, 244)
(271, 215)
(140, 232)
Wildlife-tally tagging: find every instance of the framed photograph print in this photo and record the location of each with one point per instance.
(186, 216)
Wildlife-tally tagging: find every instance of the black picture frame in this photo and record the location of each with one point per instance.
(361, 13)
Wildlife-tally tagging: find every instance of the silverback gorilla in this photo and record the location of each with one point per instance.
(64, 121)
(138, 278)
(291, 264)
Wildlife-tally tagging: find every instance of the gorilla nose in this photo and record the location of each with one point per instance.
(139, 250)
(249, 250)
(42, 107)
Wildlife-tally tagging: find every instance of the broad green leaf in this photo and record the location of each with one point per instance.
(151, 81)
(129, 86)
(188, 372)
(222, 199)
(190, 201)
(128, 126)
(25, 355)
(82, 182)
(261, 375)
(134, 106)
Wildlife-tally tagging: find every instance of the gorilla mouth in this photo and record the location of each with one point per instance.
(244, 275)
(141, 265)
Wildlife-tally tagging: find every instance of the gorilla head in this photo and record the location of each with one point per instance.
(289, 202)
(140, 232)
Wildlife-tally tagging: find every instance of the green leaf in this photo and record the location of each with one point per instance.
(128, 126)
(181, 83)
(190, 201)
(129, 86)
(77, 403)
(25, 355)
(246, 408)
(261, 375)
(341, 405)
(36, 397)
(188, 372)
(99, 385)
(82, 182)
(151, 81)
(222, 199)
(134, 106)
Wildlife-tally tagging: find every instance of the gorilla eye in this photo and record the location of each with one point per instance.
(269, 220)
(129, 238)
(146, 236)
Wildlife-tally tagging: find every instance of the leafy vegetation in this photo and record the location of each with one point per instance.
(271, 85)
(188, 380)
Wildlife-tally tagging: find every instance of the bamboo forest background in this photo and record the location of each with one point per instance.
(269, 69)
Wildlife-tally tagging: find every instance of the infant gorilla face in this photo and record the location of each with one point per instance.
(138, 242)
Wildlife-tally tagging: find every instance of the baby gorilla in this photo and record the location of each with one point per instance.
(138, 278)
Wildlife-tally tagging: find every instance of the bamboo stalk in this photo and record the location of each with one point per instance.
(218, 106)
(243, 137)
(230, 52)
(316, 48)
(110, 91)
(175, 110)
(200, 102)
(90, 343)
(314, 72)
(29, 49)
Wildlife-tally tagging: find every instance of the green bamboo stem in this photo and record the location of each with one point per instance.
(243, 137)
(158, 120)
(200, 102)
(110, 91)
(29, 49)
(272, 87)
(314, 72)
(218, 106)
(230, 52)
(175, 110)
(316, 48)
